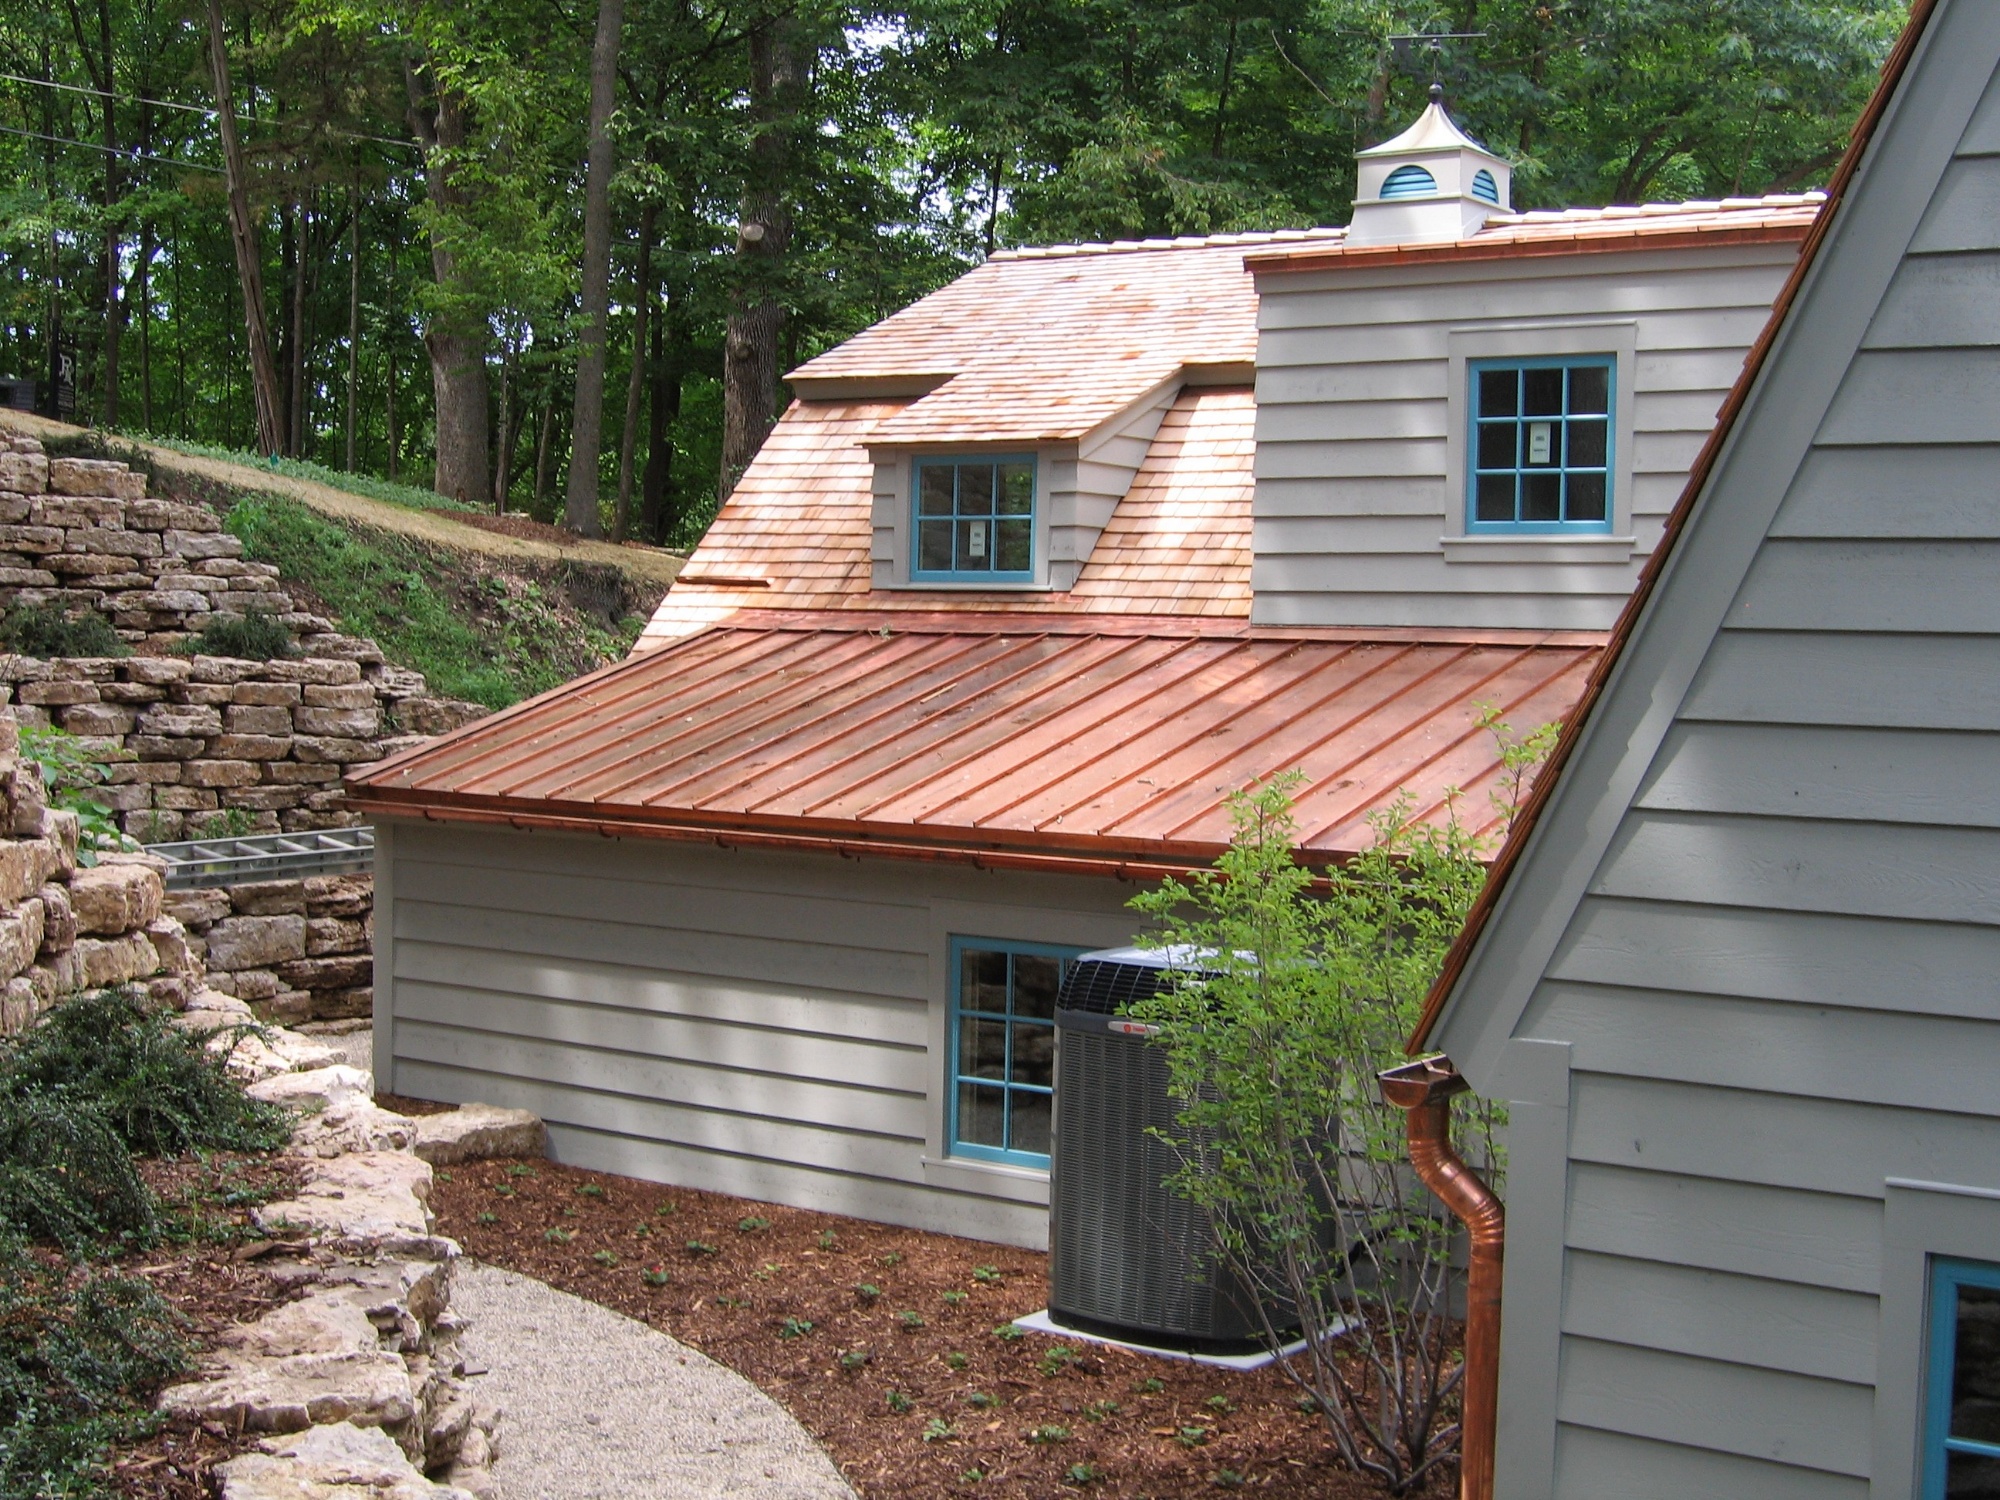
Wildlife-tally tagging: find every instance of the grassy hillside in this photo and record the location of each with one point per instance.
(490, 632)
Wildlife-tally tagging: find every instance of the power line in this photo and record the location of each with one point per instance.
(193, 109)
(65, 140)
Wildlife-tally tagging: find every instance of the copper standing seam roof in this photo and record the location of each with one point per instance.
(1096, 745)
(1523, 828)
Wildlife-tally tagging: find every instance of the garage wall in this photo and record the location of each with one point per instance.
(766, 1025)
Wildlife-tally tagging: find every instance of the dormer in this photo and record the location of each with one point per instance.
(1431, 183)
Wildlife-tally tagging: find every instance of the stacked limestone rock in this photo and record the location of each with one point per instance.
(297, 950)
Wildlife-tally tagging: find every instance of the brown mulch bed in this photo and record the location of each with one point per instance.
(883, 1343)
(214, 1280)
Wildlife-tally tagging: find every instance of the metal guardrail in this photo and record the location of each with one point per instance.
(193, 863)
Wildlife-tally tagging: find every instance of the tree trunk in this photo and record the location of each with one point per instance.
(353, 319)
(658, 515)
(114, 309)
(503, 464)
(763, 234)
(456, 337)
(642, 302)
(389, 359)
(587, 422)
(295, 368)
(148, 247)
(243, 237)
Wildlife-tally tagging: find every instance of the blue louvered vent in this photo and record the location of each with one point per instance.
(1408, 182)
(1484, 187)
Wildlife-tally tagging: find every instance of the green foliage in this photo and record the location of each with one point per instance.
(495, 648)
(409, 496)
(1285, 1004)
(1048, 1434)
(46, 631)
(223, 823)
(71, 772)
(255, 636)
(752, 1225)
(77, 1351)
(795, 1328)
(939, 1430)
(898, 1403)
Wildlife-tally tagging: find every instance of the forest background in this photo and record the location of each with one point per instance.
(553, 257)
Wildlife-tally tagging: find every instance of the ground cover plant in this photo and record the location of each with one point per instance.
(122, 1164)
(40, 630)
(474, 630)
(895, 1348)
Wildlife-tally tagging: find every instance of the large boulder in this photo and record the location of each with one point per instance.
(336, 1462)
(474, 1132)
(113, 899)
(338, 1113)
(368, 1201)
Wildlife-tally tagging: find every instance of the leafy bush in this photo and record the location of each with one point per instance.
(76, 1354)
(1284, 1006)
(43, 630)
(72, 771)
(256, 636)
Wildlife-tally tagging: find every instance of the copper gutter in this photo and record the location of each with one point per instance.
(1424, 1089)
(1592, 238)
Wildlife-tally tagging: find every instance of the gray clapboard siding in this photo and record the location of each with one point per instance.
(807, 1055)
(1496, 610)
(1741, 1320)
(1890, 396)
(700, 998)
(1933, 874)
(1901, 1057)
(1672, 1398)
(1294, 351)
(1941, 301)
(767, 1025)
(1595, 1465)
(1896, 490)
(1759, 677)
(1764, 1138)
(1965, 214)
(1803, 957)
(1783, 1234)
(1800, 771)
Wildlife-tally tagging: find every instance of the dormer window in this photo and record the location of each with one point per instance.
(1541, 446)
(975, 520)
(1484, 188)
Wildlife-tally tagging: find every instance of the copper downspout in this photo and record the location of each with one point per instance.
(1424, 1089)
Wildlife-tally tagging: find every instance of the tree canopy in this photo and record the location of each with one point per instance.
(416, 174)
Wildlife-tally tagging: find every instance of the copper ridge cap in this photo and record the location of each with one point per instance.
(1320, 234)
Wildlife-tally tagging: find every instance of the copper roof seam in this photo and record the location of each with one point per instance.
(785, 658)
(716, 665)
(1362, 712)
(1230, 648)
(931, 717)
(1133, 643)
(1236, 648)
(1008, 647)
(1238, 750)
(612, 738)
(1292, 649)
(813, 691)
(1403, 734)
(1582, 659)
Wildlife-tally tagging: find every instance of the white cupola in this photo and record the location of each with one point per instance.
(1431, 183)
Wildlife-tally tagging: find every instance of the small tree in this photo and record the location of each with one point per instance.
(1286, 1002)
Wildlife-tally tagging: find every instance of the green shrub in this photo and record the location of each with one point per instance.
(77, 1356)
(160, 1089)
(256, 636)
(72, 772)
(43, 630)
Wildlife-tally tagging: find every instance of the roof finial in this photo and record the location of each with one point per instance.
(1437, 95)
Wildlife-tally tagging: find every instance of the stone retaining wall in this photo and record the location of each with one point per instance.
(296, 950)
(188, 740)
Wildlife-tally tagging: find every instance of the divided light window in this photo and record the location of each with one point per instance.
(975, 520)
(1003, 1048)
(1962, 1381)
(1541, 446)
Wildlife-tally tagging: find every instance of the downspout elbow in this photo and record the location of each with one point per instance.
(1424, 1090)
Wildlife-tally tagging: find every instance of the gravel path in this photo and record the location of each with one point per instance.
(598, 1407)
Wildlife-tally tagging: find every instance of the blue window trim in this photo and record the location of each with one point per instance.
(1476, 527)
(1485, 188)
(1947, 1276)
(966, 1149)
(920, 574)
(1408, 181)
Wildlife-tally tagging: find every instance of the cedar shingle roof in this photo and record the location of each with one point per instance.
(1179, 543)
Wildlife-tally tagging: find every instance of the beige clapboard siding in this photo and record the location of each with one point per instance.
(1353, 430)
(1592, 1464)
(765, 1025)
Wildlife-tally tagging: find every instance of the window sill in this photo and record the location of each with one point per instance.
(1540, 549)
(971, 586)
(990, 1179)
